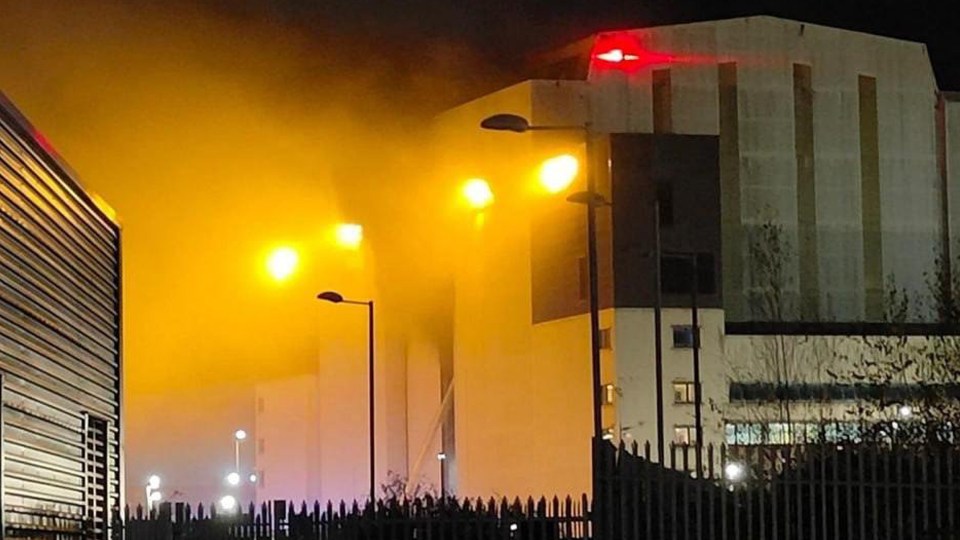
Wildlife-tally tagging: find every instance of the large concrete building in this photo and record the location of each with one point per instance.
(60, 345)
(810, 170)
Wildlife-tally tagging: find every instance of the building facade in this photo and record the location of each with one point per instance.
(60, 345)
(808, 170)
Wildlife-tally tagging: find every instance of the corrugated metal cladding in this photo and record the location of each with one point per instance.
(59, 345)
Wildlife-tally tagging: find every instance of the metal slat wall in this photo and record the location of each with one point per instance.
(59, 345)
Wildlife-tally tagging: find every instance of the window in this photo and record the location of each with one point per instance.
(676, 274)
(605, 339)
(684, 435)
(683, 337)
(684, 392)
(609, 394)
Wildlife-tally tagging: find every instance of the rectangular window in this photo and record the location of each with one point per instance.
(684, 392)
(676, 274)
(684, 435)
(609, 394)
(683, 336)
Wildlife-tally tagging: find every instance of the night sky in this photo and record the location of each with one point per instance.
(501, 33)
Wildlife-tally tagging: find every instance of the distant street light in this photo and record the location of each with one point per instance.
(905, 411)
(233, 478)
(478, 194)
(253, 478)
(152, 491)
(337, 298)
(228, 503)
(591, 199)
(442, 458)
(349, 235)
(282, 262)
(557, 173)
(238, 437)
(734, 471)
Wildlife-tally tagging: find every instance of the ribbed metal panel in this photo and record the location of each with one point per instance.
(59, 344)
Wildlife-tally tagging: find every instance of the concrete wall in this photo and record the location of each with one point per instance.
(635, 368)
(765, 50)
(286, 440)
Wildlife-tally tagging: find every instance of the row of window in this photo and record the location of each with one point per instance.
(839, 392)
(780, 433)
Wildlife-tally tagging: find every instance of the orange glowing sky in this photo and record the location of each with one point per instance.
(215, 139)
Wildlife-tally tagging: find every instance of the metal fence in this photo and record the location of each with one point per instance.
(812, 492)
(420, 519)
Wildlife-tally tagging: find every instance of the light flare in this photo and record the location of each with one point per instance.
(557, 173)
(282, 263)
(349, 235)
(478, 194)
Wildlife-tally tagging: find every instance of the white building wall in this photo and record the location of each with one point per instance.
(952, 131)
(765, 50)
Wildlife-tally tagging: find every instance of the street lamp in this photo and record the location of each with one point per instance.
(337, 298)
(153, 491)
(592, 199)
(238, 437)
(442, 458)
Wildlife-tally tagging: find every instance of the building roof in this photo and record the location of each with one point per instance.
(572, 61)
(43, 151)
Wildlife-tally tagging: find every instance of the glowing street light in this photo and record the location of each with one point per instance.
(557, 173)
(734, 472)
(349, 235)
(152, 491)
(282, 263)
(905, 411)
(478, 194)
(253, 478)
(228, 503)
(233, 478)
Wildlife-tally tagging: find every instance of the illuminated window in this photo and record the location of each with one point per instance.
(684, 392)
(609, 394)
(684, 435)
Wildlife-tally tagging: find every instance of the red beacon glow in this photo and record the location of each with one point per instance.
(623, 51)
(617, 55)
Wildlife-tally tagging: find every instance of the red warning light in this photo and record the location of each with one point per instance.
(623, 51)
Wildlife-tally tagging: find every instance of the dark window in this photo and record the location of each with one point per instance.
(676, 278)
(683, 337)
(665, 200)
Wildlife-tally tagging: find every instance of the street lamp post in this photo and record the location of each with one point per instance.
(519, 124)
(337, 298)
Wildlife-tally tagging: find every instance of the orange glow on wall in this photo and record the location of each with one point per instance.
(349, 235)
